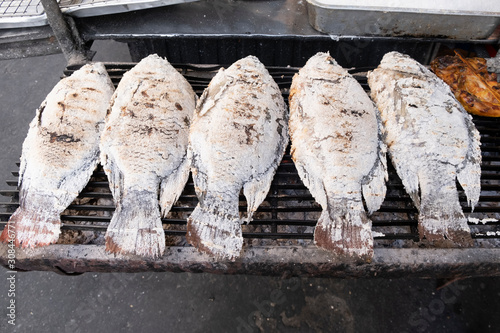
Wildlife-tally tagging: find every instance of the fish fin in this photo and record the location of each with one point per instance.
(314, 184)
(215, 233)
(470, 179)
(23, 165)
(31, 140)
(31, 228)
(409, 178)
(374, 190)
(469, 176)
(110, 107)
(37, 121)
(172, 186)
(199, 174)
(115, 176)
(75, 181)
(441, 221)
(256, 190)
(345, 232)
(309, 170)
(218, 85)
(136, 227)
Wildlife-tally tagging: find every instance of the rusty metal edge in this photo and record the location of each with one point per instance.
(283, 261)
(72, 46)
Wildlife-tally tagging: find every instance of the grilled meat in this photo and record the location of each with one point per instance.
(469, 79)
(59, 154)
(144, 154)
(338, 153)
(237, 139)
(432, 142)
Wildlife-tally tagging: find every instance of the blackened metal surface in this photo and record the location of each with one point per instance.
(276, 52)
(284, 261)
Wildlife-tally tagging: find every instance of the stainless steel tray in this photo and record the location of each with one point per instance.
(464, 20)
(30, 13)
(21, 14)
(85, 8)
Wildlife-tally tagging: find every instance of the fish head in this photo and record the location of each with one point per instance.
(152, 67)
(403, 63)
(248, 69)
(95, 68)
(323, 65)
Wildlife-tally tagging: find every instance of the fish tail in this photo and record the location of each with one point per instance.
(215, 233)
(136, 227)
(346, 233)
(443, 227)
(32, 228)
(441, 221)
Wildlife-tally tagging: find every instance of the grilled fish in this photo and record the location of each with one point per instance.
(432, 142)
(59, 154)
(237, 139)
(473, 86)
(144, 154)
(338, 153)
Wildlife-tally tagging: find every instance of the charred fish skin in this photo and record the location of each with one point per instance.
(432, 142)
(59, 154)
(237, 139)
(338, 154)
(144, 154)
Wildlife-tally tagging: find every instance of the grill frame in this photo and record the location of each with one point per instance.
(282, 252)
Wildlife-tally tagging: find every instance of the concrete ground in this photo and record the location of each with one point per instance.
(184, 302)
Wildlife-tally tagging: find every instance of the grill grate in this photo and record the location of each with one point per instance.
(289, 213)
(21, 13)
(20, 7)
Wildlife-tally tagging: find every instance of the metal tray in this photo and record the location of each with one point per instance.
(86, 8)
(423, 19)
(21, 14)
(30, 13)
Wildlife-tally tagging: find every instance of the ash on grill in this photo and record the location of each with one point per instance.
(289, 213)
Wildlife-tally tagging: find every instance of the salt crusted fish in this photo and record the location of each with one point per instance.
(432, 142)
(338, 153)
(144, 154)
(59, 154)
(237, 139)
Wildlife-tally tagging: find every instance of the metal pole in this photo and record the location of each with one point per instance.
(69, 41)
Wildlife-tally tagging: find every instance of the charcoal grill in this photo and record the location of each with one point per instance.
(279, 241)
